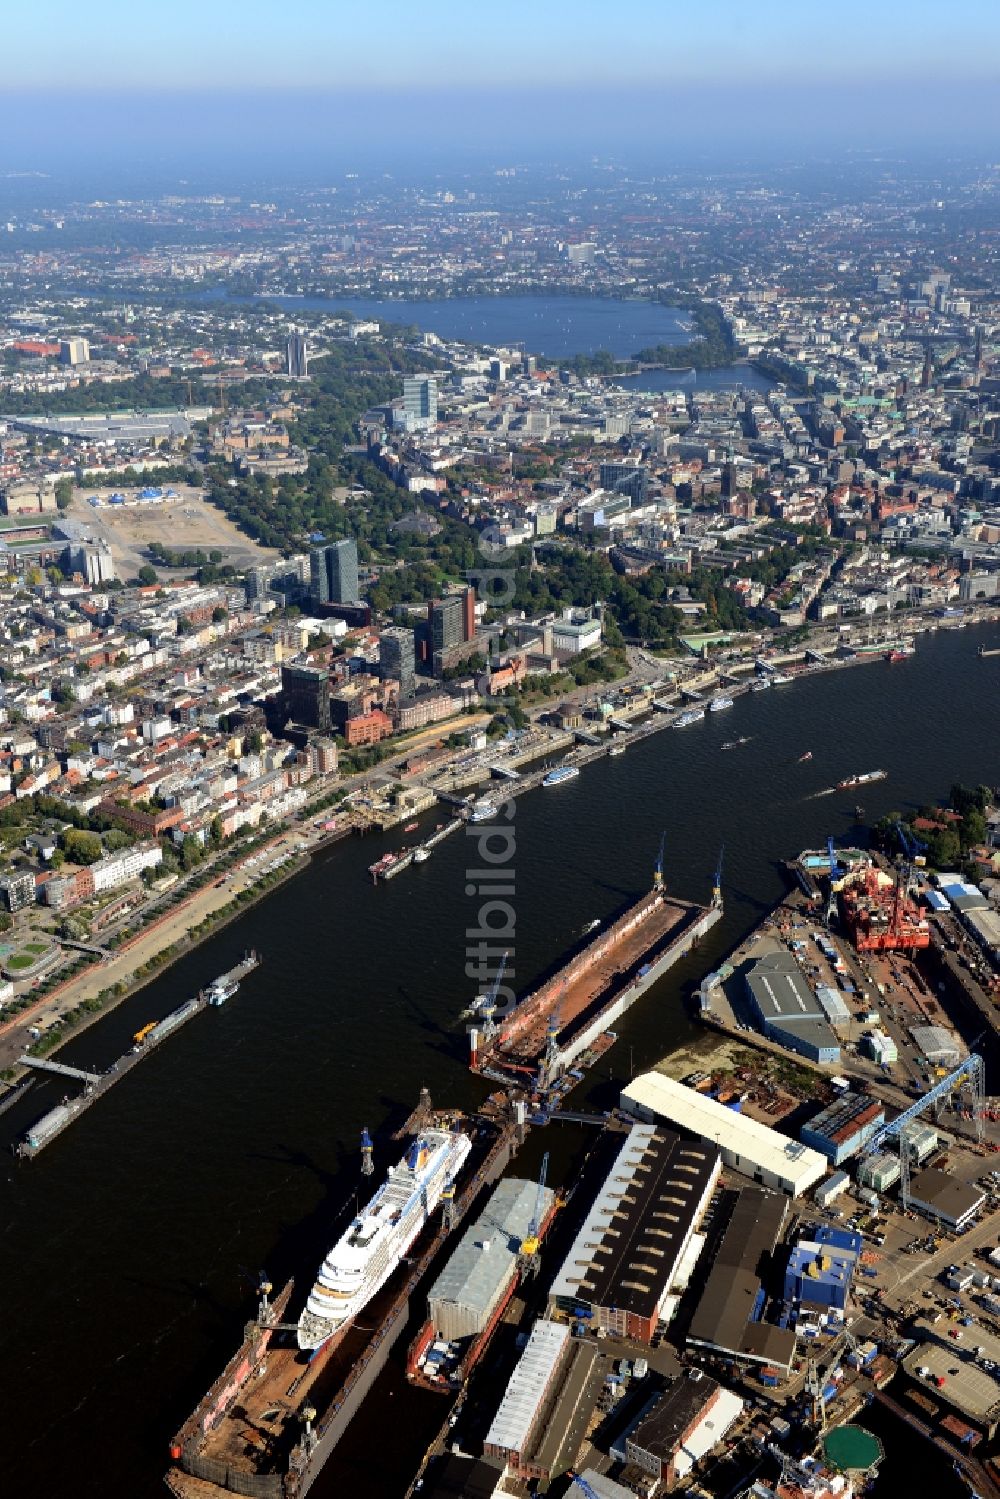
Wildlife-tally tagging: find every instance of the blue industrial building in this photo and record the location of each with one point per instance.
(821, 1269)
(840, 1130)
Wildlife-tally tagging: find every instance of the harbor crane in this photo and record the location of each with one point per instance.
(968, 1075)
(717, 882)
(831, 904)
(528, 1255)
(366, 1153)
(488, 1008)
(658, 871)
(911, 853)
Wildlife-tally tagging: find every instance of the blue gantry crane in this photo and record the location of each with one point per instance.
(968, 1075)
(530, 1243)
(488, 1007)
(658, 871)
(717, 882)
(831, 903)
(366, 1153)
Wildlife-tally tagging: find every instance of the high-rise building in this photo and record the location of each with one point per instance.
(306, 694)
(74, 351)
(397, 658)
(297, 356)
(333, 573)
(452, 620)
(420, 402)
(625, 478)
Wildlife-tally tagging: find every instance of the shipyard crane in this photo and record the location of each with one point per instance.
(658, 871)
(831, 904)
(968, 1075)
(717, 882)
(366, 1153)
(528, 1254)
(488, 1008)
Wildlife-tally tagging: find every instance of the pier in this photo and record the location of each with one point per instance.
(51, 1125)
(77, 1073)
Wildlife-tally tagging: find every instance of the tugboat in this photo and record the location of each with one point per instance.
(803, 758)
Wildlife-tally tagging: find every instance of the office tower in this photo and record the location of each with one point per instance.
(74, 351)
(297, 356)
(333, 573)
(397, 658)
(305, 691)
(625, 478)
(342, 570)
(420, 402)
(451, 621)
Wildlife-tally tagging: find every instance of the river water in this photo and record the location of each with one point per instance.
(129, 1249)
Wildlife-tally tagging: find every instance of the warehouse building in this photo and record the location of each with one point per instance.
(747, 1146)
(727, 1317)
(481, 1270)
(788, 1010)
(639, 1234)
(941, 1197)
(553, 1389)
(820, 1270)
(690, 1418)
(840, 1130)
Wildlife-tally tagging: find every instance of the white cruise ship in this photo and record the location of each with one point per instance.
(364, 1257)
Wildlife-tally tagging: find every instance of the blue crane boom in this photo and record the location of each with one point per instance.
(529, 1244)
(971, 1070)
(717, 882)
(489, 1004)
(658, 871)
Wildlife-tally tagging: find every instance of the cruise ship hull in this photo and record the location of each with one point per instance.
(367, 1254)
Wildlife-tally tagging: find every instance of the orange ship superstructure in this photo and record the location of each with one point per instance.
(879, 915)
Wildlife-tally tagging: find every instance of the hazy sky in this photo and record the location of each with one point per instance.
(216, 77)
(430, 44)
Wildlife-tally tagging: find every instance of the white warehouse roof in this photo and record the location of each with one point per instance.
(742, 1140)
(518, 1410)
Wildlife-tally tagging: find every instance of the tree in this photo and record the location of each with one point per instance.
(219, 614)
(147, 575)
(215, 831)
(253, 743)
(64, 493)
(82, 847)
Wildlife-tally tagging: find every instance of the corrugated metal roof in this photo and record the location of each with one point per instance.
(511, 1426)
(487, 1252)
(792, 1162)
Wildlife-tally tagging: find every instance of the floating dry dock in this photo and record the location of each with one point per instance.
(549, 1029)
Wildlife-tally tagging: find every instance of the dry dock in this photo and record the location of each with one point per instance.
(557, 1022)
(248, 1434)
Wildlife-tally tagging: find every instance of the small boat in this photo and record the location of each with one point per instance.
(780, 679)
(616, 749)
(761, 684)
(411, 827)
(482, 810)
(421, 855)
(803, 758)
(719, 703)
(735, 743)
(591, 926)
